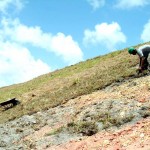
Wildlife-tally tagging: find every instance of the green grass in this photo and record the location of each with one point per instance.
(87, 128)
(58, 87)
(84, 128)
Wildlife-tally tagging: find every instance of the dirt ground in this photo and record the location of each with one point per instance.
(32, 132)
(130, 137)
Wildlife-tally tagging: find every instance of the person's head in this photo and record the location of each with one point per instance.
(132, 51)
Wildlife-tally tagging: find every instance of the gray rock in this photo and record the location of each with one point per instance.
(114, 112)
(107, 114)
(100, 126)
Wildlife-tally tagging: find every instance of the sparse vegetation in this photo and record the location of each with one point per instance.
(86, 128)
(82, 127)
(108, 120)
(89, 128)
(58, 87)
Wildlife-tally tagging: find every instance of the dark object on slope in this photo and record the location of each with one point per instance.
(9, 104)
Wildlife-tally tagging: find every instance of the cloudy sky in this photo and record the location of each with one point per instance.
(40, 36)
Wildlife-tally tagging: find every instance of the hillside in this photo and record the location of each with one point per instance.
(58, 87)
(96, 104)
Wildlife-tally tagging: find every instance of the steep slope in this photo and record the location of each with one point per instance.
(115, 117)
(58, 87)
(96, 104)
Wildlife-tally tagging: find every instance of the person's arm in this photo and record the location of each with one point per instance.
(141, 66)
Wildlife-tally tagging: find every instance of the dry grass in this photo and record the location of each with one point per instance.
(58, 87)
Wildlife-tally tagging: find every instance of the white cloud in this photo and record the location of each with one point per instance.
(5, 5)
(145, 36)
(125, 4)
(108, 35)
(60, 44)
(96, 3)
(16, 62)
(66, 47)
(18, 65)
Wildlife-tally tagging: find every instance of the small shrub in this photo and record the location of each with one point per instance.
(83, 127)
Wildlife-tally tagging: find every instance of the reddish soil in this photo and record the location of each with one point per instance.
(129, 137)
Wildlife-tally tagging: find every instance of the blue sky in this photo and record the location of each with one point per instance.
(40, 36)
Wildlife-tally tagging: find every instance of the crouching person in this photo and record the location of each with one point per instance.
(144, 57)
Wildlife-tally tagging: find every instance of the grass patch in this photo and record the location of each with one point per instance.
(108, 120)
(84, 128)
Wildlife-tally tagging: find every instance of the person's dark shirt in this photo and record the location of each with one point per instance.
(143, 51)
